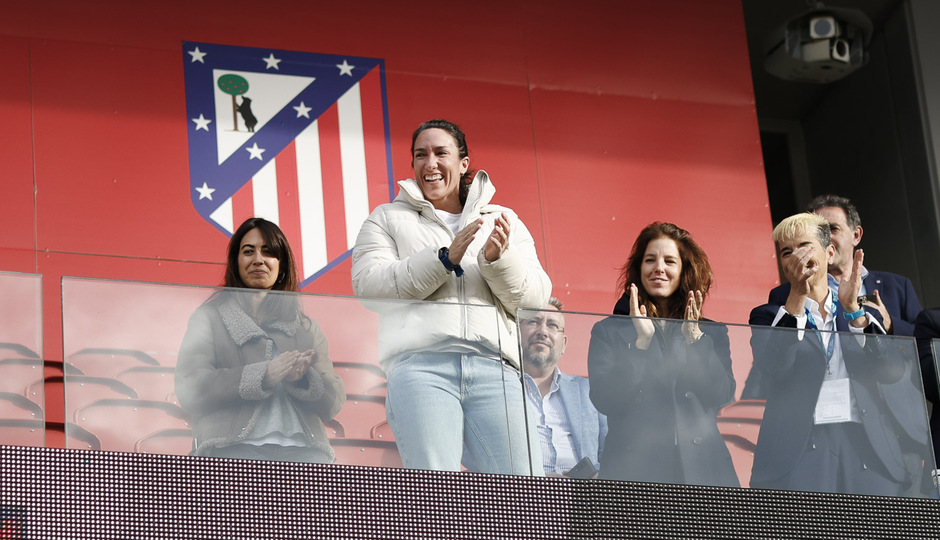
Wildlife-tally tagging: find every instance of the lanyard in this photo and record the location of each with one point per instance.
(830, 348)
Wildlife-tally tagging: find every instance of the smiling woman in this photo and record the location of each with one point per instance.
(449, 371)
(661, 382)
(439, 166)
(254, 370)
(258, 265)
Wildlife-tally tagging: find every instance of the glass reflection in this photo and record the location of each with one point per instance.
(662, 400)
(22, 389)
(179, 370)
(846, 427)
(255, 374)
(254, 370)
(123, 343)
(927, 333)
(664, 403)
(571, 431)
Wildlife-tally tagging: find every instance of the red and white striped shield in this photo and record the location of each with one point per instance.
(300, 139)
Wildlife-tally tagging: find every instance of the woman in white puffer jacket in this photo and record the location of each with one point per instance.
(452, 365)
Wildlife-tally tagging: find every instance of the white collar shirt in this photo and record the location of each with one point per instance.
(835, 368)
(555, 430)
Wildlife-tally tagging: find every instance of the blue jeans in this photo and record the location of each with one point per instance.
(439, 403)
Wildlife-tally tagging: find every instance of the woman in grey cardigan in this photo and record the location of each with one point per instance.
(253, 370)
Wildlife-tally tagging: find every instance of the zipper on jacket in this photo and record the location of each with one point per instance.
(461, 291)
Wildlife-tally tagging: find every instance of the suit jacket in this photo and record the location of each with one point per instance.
(926, 329)
(588, 427)
(794, 370)
(755, 387)
(897, 294)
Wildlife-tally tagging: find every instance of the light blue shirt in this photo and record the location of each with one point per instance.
(554, 426)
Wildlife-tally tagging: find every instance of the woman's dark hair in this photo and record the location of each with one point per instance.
(277, 243)
(462, 151)
(696, 271)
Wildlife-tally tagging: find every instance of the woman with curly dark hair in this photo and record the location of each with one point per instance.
(660, 376)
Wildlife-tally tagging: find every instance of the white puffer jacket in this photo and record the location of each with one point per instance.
(396, 257)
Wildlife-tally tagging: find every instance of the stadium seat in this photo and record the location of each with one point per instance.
(17, 373)
(742, 456)
(744, 408)
(120, 423)
(360, 414)
(382, 432)
(366, 452)
(334, 430)
(150, 382)
(60, 435)
(106, 362)
(20, 432)
(174, 442)
(740, 436)
(17, 406)
(80, 390)
(20, 350)
(362, 378)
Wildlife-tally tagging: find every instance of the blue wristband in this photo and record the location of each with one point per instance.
(443, 255)
(854, 315)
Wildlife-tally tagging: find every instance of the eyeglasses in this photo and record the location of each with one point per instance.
(535, 322)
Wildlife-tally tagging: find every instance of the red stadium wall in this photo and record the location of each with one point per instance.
(593, 119)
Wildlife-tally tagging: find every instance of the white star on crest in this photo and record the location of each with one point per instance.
(205, 192)
(271, 62)
(202, 123)
(255, 152)
(303, 110)
(345, 68)
(197, 56)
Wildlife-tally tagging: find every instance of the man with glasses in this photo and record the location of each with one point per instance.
(571, 430)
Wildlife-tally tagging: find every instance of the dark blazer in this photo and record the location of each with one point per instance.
(897, 294)
(661, 403)
(926, 329)
(588, 427)
(755, 387)
(794, 370)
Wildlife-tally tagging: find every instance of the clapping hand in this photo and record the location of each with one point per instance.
(885, 316)
(644, 326)
(693, 314)
(463, 239)
(498, 241)
(289, 366)
(798, 267)
(849, 288)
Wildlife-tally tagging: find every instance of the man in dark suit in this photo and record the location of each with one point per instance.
(892, 295)
(927, 329)
(825, 425)
(570, 428)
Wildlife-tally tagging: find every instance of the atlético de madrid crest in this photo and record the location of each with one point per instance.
(297, 138)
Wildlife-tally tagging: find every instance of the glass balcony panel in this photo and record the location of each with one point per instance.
(291, 377)
(666, 401)
(22, 392)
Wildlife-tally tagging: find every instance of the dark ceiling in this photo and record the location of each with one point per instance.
(778, 98)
